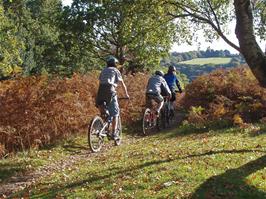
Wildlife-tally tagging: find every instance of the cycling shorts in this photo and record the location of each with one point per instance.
(153, 96)
(113, 107)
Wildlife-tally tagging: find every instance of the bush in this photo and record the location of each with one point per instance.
(37, 111)
(232, 95)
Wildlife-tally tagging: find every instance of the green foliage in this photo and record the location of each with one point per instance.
(44, 33)
(126, 29)
(193, 16)
(45, 37)
(72, 39)
(260, 18)
(35, 25)
(197, 110)
(10, 59)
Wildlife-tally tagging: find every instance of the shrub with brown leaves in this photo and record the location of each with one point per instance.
(36, 111)
(226, 93)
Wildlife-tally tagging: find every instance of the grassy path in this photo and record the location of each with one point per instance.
(179, 163)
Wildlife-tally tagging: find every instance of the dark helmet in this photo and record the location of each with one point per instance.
(111, 60)
(171, 68)
(159, 72)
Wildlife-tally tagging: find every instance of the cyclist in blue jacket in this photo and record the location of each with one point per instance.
(172, 82)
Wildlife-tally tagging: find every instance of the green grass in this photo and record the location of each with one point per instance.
(203, 61)
(179, 163)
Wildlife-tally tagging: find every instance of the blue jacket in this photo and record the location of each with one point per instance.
(172, 82)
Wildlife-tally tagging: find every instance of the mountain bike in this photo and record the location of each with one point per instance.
(150, 121)
(99, 129)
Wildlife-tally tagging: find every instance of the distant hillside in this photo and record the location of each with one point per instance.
(196, 63)
(204, 61)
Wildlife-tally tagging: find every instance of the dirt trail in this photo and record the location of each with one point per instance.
(24, 180)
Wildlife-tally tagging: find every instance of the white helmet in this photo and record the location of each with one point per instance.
(159, 72)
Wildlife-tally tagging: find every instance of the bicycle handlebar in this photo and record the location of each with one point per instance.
(123, 98)
(177, 91)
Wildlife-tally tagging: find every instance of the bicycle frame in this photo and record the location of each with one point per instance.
(99, 128)
(103, 131)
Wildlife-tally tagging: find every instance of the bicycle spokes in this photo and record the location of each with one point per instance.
(149, 121)
(95, 134)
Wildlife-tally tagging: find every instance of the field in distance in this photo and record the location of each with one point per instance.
(211, 60)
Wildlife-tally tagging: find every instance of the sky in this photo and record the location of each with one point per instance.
(219, 44)
(66, 2)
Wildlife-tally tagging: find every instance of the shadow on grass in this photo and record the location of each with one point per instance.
(261, 131)
(9, 170)
(188, 129)
(74, 148)
(68, 144)
(233, 151)
(134, 128)
(231, 183)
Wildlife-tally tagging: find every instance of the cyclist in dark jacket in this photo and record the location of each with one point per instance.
(172, 82)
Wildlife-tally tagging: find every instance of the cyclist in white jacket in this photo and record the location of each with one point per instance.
(157, 88)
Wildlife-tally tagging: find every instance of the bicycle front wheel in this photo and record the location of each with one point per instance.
(95, 139)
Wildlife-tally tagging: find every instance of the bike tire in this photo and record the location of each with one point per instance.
(94, 139)
(171, 117)
(119, 131)
(162, 119)
(146, 122)
(167, 117)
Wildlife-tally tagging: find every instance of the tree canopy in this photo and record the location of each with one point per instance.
(126, 29)
(45, 37)
(213, 16)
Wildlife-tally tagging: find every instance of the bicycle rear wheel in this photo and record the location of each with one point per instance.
(119, 131)
(167, 116)
(162, 118)
(95, 140)
(147, 123)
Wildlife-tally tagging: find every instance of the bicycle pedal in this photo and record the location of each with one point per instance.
(103, 135)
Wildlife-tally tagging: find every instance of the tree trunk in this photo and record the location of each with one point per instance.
(249, 47)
